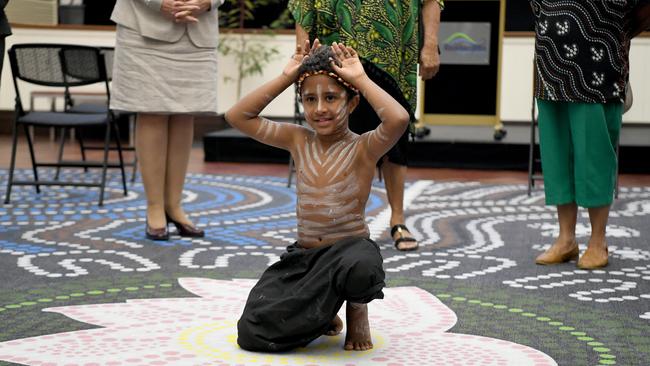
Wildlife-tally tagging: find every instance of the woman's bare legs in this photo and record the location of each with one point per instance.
(179, 142)
(565, 247)
(596, 255)
(567, 217)
(151, 129)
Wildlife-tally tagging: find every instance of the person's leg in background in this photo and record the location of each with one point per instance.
(596, 255)
(150, 137)
(557, 166)
(394, 177)
(595, 129)
(179, 142)
(393, 165)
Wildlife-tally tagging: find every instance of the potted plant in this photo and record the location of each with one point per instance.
(250, 55)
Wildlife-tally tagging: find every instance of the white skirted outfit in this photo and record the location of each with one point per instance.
(161, 66)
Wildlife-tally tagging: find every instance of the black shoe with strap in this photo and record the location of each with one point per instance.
(186, 230)
(156, 233)
(402, 238)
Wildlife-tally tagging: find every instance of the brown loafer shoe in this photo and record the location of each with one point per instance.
(594, 258)
(555, 256)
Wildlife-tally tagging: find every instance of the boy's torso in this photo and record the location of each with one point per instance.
(333, 185)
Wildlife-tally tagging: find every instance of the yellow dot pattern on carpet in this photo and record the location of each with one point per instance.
(197, 341)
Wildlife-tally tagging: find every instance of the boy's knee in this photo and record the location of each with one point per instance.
(245, 337)
(248, 337)
(361, 276)
(364, 281)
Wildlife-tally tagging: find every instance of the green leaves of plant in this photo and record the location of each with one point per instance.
(240, 11)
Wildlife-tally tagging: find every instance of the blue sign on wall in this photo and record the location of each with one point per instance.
(464, 43)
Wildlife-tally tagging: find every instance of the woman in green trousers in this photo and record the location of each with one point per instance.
(582, 58)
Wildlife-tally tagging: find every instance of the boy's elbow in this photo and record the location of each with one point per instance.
(404, 118)
(229, 117)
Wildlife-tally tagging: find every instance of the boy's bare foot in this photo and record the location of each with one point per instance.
(357, 337)
(336, 326)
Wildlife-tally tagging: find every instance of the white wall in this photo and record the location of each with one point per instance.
(516, 87)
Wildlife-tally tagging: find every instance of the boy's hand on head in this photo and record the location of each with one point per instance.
(347, 64)
(314, 47)
(302, 52)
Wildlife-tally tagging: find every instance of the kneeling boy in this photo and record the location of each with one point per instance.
(333, 261)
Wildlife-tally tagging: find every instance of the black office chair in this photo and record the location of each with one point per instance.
(61, 66)
(101, 108)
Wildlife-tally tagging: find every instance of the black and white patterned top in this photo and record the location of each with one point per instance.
(581, 49)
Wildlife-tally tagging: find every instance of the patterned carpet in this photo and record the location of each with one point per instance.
(79, 284)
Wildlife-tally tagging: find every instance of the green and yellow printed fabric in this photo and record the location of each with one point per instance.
(384, 33)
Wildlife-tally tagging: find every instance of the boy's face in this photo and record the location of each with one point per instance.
(326, 104)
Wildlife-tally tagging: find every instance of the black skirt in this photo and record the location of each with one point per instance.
(296, 298)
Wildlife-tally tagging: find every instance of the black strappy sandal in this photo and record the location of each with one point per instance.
(399, 228)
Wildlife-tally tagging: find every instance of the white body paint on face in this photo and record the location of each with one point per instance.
(326, 105)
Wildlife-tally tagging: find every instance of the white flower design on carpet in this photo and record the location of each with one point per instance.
(409, 328)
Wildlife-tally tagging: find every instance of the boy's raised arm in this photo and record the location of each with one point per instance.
(394, 118)
(244, 115)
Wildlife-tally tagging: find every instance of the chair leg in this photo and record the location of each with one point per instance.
(12, 164)
(531, 151)
(135, 167)
(82, 148)
(33, 157)
(116, 134)
(296, 120)
(291, 170)
(102, 187)
(60, 155)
